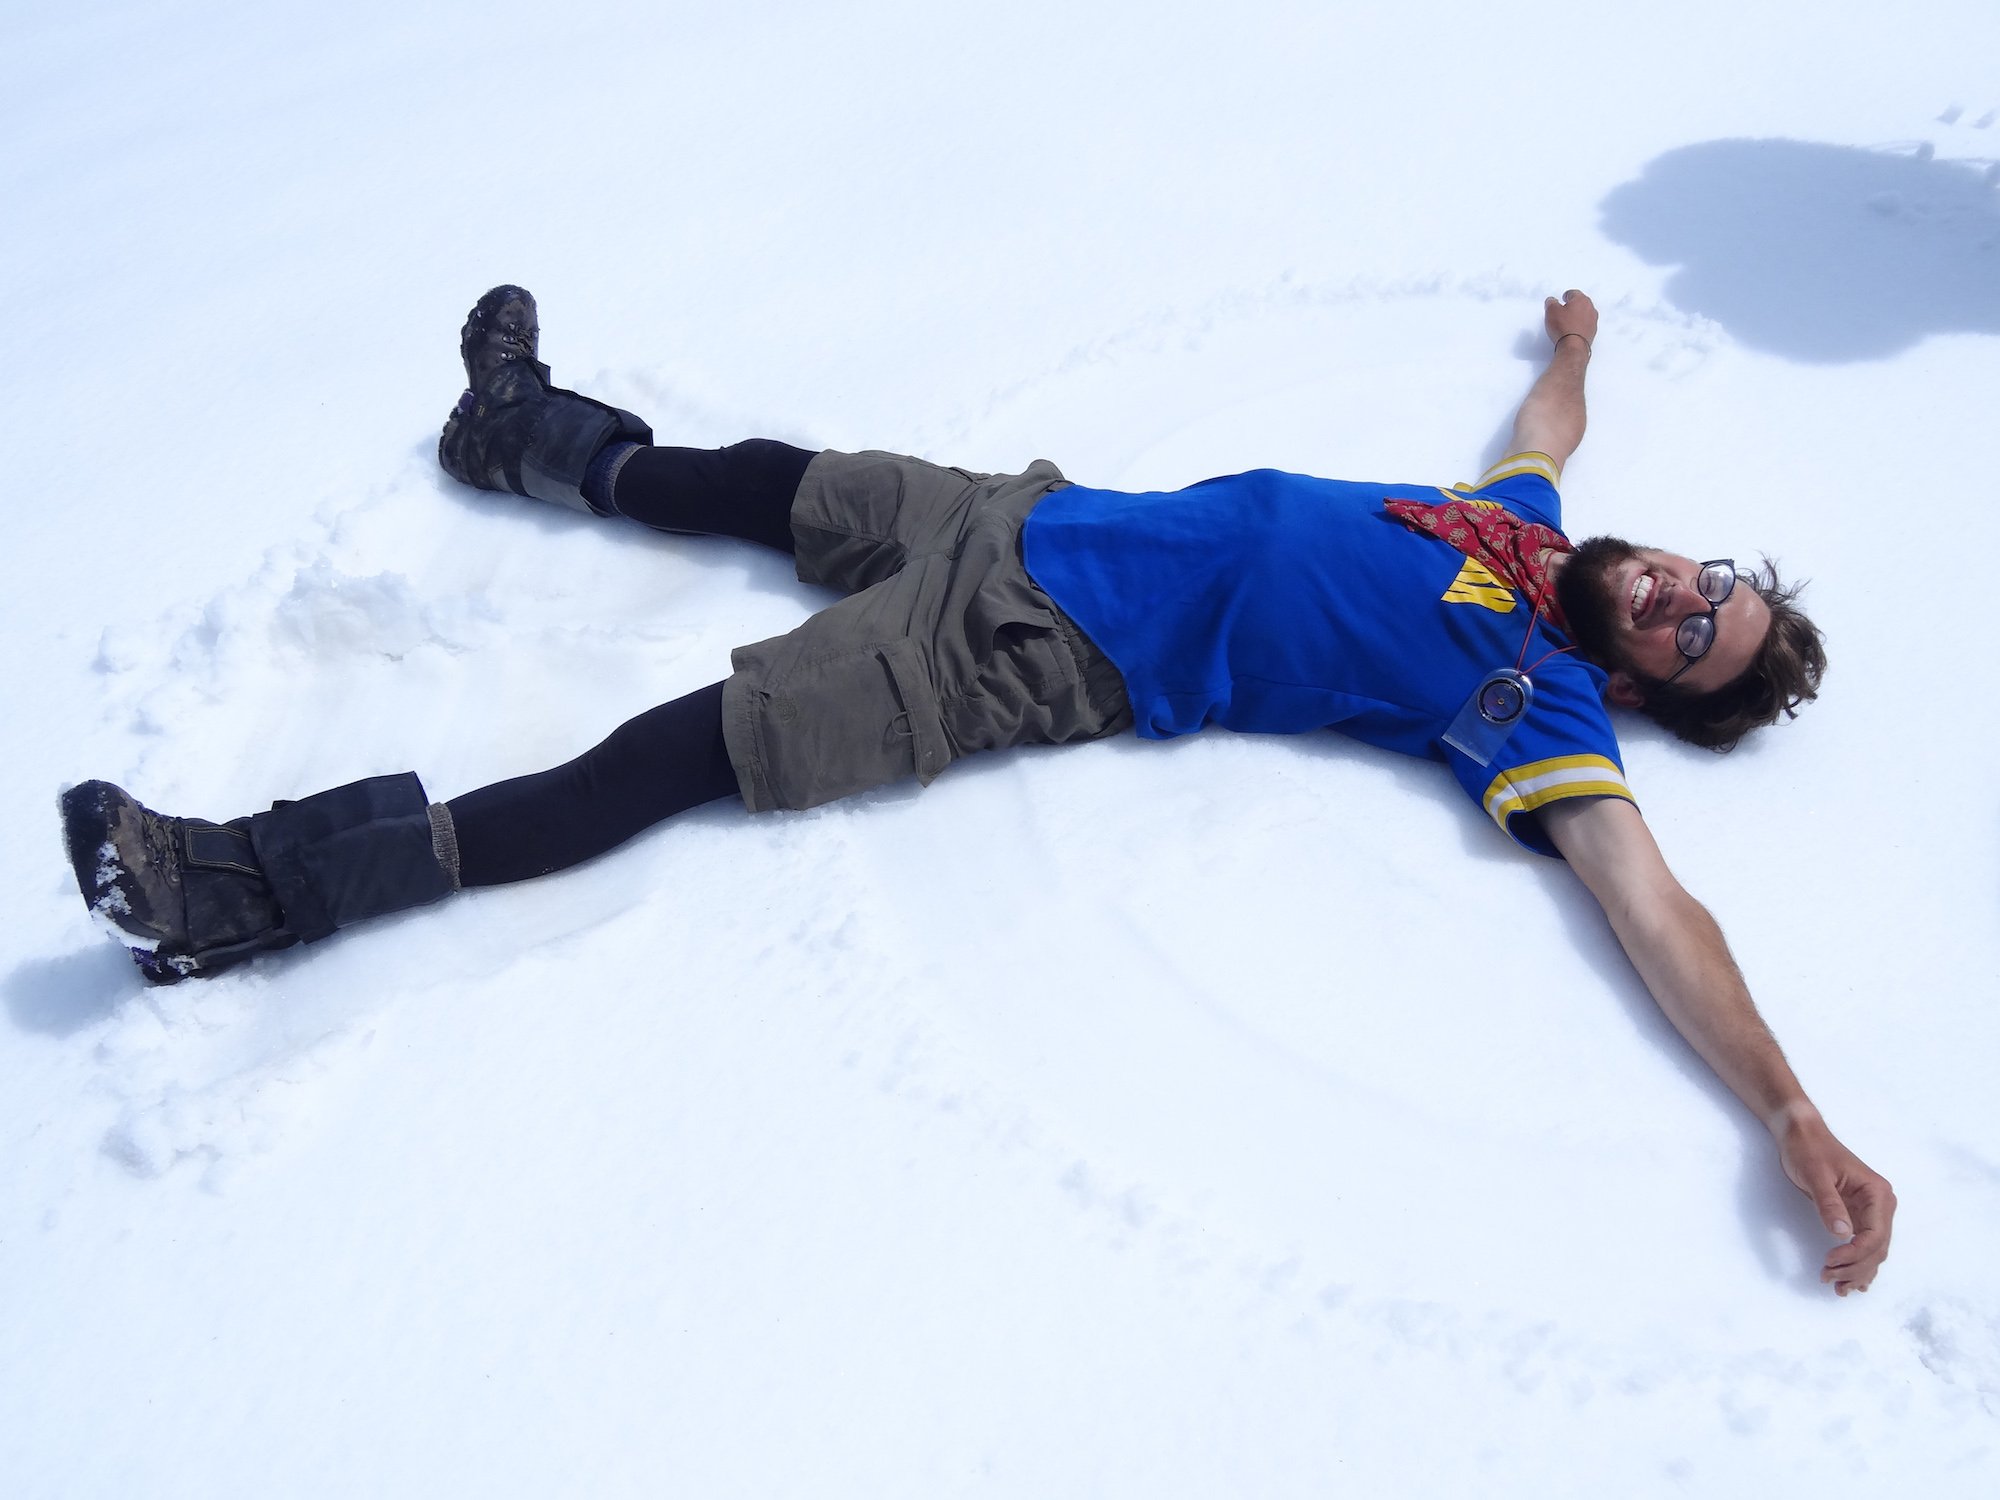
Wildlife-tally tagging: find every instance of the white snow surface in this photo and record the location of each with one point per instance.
(1237, 1116)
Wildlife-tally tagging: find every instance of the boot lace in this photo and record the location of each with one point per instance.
(163, 846)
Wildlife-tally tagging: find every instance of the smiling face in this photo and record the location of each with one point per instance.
(1625, 603)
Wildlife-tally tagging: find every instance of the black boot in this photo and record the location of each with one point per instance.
(512, 430)
(202, 897)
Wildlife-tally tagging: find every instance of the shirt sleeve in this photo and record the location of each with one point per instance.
(1564, 748)
(1524, 483)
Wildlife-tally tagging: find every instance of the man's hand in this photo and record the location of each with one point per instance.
(1575, 313)
(1678, 950)
(1552, 418)
(1854, 1202)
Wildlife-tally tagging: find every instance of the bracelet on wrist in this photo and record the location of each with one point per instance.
(1560, 338)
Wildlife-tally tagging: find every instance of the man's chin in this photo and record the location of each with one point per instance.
(1587, 590)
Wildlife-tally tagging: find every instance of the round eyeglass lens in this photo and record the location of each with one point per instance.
(1695, 635)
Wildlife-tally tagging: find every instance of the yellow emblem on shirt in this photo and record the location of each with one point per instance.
(1476, 584)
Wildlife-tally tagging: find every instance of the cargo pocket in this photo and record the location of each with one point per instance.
(919, 718)
(845, 722)
(1015, 640)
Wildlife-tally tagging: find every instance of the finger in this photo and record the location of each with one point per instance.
(1874, 1207)
(1833, 1211)
(1870, 1245)
(1872, 1219)
(1845, 1265)
(1572, 292)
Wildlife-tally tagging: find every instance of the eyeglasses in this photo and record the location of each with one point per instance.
(1715, 583)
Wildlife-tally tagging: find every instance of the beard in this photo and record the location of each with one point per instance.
(1587, 590)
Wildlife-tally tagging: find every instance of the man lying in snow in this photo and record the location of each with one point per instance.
(991, 610)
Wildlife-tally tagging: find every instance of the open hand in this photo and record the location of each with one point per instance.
(1854, 1201)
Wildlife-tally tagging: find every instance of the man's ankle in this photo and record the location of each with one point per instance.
(600, 480)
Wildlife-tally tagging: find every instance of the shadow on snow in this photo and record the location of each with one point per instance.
(1823, 254)
(60, 996)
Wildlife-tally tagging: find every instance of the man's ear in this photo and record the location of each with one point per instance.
(1623, 689)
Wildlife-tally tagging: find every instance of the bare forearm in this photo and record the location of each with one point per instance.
(1553, 417)
(1679, 951)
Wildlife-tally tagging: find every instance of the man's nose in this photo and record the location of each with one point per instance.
(1686, 601)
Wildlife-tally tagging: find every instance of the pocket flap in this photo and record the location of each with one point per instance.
(931, 749)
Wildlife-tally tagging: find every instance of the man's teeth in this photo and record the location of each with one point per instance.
(1642, 590)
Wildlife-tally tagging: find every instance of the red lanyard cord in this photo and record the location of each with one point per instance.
(1540, 595)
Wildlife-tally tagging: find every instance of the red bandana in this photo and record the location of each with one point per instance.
(1512, 549)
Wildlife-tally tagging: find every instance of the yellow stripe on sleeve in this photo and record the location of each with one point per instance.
(1515, 464)
(1541, 782)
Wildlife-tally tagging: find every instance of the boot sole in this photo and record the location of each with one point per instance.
(447, 460)
(479, 326)
(86, 819)
(86, 837)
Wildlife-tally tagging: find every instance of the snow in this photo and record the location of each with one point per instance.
(1220, 1117)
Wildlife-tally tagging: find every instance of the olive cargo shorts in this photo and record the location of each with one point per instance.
(943, 646)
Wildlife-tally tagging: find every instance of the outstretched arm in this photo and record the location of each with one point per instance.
(1679, 951)
(1552, 419)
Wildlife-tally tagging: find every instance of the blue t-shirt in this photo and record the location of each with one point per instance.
(1276, 603)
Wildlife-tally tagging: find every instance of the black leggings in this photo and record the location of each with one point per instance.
(744, 490)
(669, 758)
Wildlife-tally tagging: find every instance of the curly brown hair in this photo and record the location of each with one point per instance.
(1785, 673)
